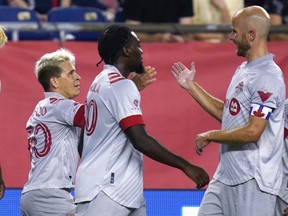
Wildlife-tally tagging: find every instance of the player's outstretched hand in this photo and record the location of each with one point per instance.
(145, 79)
(198, 175)
(183, 75)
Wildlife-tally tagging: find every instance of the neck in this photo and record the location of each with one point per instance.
(257, 51)
(122, 69)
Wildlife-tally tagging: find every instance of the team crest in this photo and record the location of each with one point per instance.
(234, 107)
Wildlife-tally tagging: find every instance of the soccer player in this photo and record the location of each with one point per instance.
(109, 179)
(53, 133)
(249, 174)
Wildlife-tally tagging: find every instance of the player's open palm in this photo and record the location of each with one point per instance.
(198, 175)
(183, 75)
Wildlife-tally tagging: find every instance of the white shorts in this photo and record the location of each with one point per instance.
(103, 205)
(242, 200)
(56, 202)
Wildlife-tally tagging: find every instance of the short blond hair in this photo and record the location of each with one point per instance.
(3, 37)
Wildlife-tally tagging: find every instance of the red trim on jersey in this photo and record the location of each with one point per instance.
(115, 77)
(54, 100)
(116, 80)
(131, 121)
(285, 133)
(79, 117)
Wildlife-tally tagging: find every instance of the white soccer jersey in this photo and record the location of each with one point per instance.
(257, 89)
(53, 139)
(284, 188)
(109, 161)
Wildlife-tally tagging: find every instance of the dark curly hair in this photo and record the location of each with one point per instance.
(111, 42)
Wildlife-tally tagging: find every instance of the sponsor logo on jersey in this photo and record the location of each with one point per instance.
(264, 95)
(136, 103)
(261, 111)
(234, 107)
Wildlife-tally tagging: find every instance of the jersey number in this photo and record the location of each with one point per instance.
(91, 117)
(40, 129)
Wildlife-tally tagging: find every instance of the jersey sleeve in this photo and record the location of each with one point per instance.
(126, 104)
(70, 112)
(265, 96)
(266, 91)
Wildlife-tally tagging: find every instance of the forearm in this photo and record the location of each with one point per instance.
(209, 36)
(157, 37)
(18, 3)
(225, 16)
(209, 103)
(154, 150)
(278, 37)
(230, 137)
(241, 135)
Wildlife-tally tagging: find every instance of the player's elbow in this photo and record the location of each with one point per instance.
(253, 136)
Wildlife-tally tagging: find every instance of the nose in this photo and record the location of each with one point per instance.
(77, 76)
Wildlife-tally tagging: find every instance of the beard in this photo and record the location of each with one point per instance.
(140, 69)
(242, 48)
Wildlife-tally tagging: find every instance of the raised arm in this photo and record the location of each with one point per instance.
(185, 79)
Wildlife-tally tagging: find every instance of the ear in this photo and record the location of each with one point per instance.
(251, 35)
(126, 51)
(54, 82)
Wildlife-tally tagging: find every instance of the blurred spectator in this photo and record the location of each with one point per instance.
(40, 6)
(3, 2)
(160, 11)
(254, 2)
(278, 10)
(108, 6)
(214, 12)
